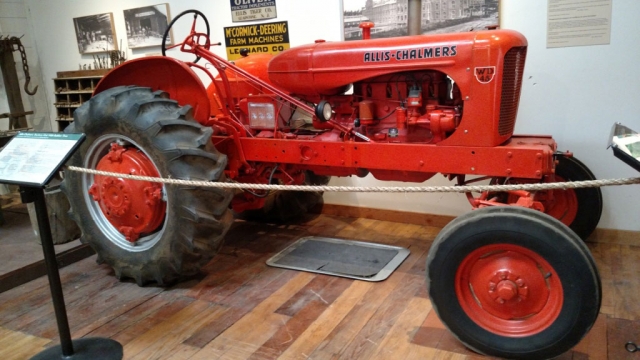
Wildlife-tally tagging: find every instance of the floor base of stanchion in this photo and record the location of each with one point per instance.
(89, 348)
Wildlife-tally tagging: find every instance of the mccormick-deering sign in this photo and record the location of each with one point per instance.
(249, 10)
(269, 38)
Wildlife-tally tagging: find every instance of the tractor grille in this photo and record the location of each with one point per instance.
(512, 70)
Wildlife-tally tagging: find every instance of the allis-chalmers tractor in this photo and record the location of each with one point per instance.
(511, 278)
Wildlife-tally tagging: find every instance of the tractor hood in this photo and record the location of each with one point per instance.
(329, 68)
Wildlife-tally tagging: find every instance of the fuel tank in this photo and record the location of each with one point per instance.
(255, 64)
(328, 68)
(239, 86)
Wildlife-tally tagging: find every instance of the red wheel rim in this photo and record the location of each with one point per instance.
(134, 208)
(561, 204)
(509, 290)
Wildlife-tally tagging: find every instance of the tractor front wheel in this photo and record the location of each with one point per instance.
(513, 282)
(147, 231)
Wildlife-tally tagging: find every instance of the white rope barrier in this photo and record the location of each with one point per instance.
(387, 189)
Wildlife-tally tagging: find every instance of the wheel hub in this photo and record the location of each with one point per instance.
(505, 286)
(509, 290)
(506, 290)
(115, 195)
(503, 297)
(132, 207)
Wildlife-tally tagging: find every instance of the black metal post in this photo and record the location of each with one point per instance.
(52, 270)
(84, 349)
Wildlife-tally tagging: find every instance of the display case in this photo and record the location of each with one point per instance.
(72, 89)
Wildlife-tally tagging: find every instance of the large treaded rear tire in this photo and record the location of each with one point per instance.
(196, 219)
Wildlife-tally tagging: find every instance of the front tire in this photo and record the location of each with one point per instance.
(513, 282)
(157, 131)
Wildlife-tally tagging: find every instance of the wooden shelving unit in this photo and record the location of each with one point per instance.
(72, 89)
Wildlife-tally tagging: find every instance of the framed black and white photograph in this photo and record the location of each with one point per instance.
(438, 16)
(146, 25)
(95, 33)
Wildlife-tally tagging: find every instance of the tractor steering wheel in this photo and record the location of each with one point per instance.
(188, 43)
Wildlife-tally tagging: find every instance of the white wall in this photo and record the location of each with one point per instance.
(574, 94)
(13, 22)
(52, 21)
(577, 93)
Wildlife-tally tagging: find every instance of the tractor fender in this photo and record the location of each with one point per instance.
(162, 73)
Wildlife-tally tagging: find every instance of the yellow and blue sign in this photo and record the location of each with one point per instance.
(269, 38)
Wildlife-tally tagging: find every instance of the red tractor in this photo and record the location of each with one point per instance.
(507, 279)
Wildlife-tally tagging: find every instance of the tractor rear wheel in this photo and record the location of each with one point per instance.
(282, 206)
(588, 200)
(513, 282)
(579, 209)
(147, 231)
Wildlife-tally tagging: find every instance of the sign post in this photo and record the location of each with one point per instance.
(30, 160)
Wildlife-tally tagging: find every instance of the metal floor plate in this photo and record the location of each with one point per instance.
(345, 258)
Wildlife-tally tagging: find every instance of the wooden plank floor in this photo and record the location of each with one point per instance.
(19, 246)
(242, 309)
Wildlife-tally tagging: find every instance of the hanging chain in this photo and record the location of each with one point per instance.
(25, 67)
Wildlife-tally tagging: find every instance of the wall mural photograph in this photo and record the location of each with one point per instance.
(438, 16)
(95, 33)
(146, 25)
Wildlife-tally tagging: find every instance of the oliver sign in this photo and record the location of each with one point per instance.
(249, 10)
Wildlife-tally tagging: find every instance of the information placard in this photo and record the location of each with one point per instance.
(31, 158)
(578, 23)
